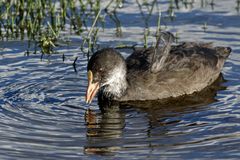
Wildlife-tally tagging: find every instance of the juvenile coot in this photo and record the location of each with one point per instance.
(154, 73)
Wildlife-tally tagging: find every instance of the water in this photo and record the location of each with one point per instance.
(43, 114)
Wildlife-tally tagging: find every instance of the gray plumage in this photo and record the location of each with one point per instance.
(155, 73)
(189, 67)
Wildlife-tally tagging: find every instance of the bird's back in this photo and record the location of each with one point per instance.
(188, 68)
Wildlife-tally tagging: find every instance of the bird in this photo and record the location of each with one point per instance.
(159, 72)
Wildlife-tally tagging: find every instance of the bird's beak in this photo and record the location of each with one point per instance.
(92, 88)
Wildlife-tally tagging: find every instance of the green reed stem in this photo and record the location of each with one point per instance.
(91, 30)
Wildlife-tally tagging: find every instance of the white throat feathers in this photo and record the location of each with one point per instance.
(116, 83)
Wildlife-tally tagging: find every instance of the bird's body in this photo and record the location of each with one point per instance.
(153, 74)
(190, 67)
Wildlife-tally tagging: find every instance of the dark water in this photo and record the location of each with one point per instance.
(43, 114)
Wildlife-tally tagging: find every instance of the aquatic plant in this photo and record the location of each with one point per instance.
(30, 19)
(204, 27)
(41, 22)
(238, 6)
(112, 13)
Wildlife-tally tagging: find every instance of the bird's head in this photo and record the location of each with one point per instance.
(107, 70)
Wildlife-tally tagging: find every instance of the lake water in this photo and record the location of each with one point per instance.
(43, 114)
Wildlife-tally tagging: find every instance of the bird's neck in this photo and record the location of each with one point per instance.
(117, 82)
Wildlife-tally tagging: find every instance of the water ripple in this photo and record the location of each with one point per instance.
(43, 114)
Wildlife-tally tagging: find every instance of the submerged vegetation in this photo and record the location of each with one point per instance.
(44, 22)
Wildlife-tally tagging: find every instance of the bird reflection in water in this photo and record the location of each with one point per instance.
(105, 129)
